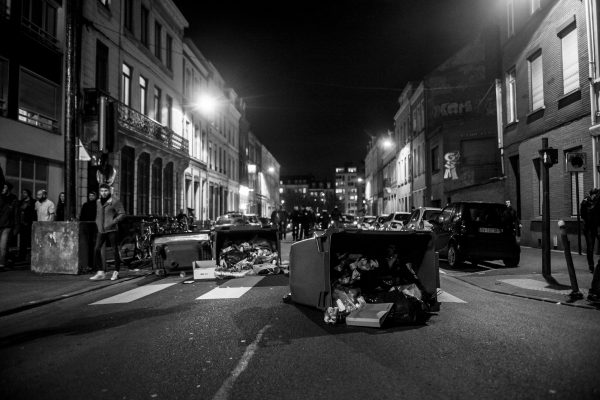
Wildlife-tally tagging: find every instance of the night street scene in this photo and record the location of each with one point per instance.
(345, 199)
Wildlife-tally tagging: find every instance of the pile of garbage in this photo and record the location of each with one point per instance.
(254, 257)
(368, 292)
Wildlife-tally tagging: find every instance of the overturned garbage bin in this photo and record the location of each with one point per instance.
(344, 272)
(246, 250)
(177, 252)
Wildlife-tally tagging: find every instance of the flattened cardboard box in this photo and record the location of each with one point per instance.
(370, 314)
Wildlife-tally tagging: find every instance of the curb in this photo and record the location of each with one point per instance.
(38, 303)
(530, 297)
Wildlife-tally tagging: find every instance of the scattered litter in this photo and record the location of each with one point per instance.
(182, 274)
(192, 281)
(257, 256)
(552, 391)
(153, 395)
(243, 340)
(197, 386)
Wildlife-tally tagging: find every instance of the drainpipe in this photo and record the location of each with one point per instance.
(590, 23)
(499, 122)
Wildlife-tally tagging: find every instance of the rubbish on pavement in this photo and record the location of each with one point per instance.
(332, 316)
(189, 281)
(203, 270)
(257, 256)
(287, 298)
(372, 315)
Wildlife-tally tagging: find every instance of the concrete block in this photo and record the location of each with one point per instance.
(60, 247)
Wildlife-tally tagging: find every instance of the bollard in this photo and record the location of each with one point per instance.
(575, 293)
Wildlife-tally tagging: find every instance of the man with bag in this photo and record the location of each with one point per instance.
(109, 212)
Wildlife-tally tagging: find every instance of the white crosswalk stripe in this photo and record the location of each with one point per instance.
(445, 297)
(134, 294)
(233, 289)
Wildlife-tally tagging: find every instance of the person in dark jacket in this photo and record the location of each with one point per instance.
(336, 216)
(295, 224)
(60, 207)
(109, 212)
(304, 223)
(589, 210)
(88, 214)
(26, 216)
(8, 206)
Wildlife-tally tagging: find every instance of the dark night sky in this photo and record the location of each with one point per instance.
(318, 76)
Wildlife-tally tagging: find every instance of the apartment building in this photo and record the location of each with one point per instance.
(349, 189)
(31, 95)
(403, 138)
(546, 95)
(131, 75)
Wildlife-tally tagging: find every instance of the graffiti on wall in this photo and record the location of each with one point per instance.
(450, 165)
(451, 109)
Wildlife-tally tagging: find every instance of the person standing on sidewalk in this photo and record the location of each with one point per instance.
(26, 212)
(8, 206)
(109, 212)
(295, 224)
(88, 214)
(45, 208)
(590, 214)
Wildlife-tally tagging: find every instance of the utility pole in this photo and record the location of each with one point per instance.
(71, 106)
(549, 157)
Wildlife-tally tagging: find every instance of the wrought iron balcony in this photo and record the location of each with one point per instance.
(138, 123)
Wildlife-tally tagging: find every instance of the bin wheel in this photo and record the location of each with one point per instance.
(453, 256)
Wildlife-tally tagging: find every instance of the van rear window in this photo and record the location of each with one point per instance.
(489, 214)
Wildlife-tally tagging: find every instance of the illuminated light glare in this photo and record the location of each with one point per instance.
(271, 169)
(207, 104)
(387, 143)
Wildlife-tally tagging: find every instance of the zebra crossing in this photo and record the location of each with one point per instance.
(231, 289)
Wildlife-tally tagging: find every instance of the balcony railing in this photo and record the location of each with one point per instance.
(44, 36)
(136, 122)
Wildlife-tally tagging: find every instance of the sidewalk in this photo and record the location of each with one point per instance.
(21, 289)
(527, 280)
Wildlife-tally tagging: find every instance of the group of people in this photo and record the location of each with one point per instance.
(17, 217)
(590, 214)
(303, 220)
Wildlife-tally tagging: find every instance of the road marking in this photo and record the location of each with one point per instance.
(233, 289)
(134, 294)
(443, 272)
(534, 284)
(444, 297)
(223, 393)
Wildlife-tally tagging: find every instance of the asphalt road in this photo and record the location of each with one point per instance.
(171, 345)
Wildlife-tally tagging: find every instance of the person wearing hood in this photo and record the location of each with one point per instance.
(109, 212)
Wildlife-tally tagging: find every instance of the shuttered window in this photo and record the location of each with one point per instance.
(570, 59)
(511, 96)
(536, 82)
(38, 101)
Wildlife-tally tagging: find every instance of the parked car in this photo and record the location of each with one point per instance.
(475, 231)
(381, 220)
(252, 219)
(349, 221)
(229, 219)
(265, 222)
(396, 221)
(420, 219)
(367, 222)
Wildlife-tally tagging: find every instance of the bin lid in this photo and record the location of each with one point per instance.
(182, 237)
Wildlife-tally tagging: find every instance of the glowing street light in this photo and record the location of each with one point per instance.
(207, 104)
(271, 170)
(387, 143)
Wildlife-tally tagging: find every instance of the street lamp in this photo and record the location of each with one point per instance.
(207, 104)
(271, 170)
(387, 143)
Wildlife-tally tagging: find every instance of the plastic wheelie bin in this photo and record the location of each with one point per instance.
(313, 262)
(178, 251)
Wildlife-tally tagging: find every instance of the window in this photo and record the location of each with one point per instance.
(26, 172)
(39, 103)
(157, 105)
(101, 66)
(576, 183)
(536, 82)
(40, 17)
(128, 15)
(169, 49)
(126, 170)
(210, 159)
(537, 164)
(145, 16)
(105, 3)
(158, 40)
(570, 59)
(126, 85)
(143, 95)
(535, 4)
(511, 96)
(435, 160)
(168, 182)
(157, 186)
(510, 17)
(3, 86)
(143, 183)
(169, 112)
